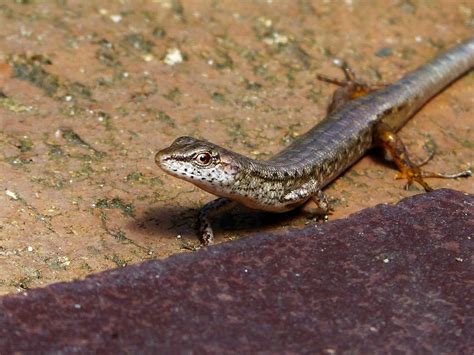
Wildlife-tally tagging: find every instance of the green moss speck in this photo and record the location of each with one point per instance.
(30, 70)
(126, 208)
(105, 119)
(223, 60)
(18, 161)
(314, 95)
(138, 42)
(107, 54)
(161, 116)
(218, 97)
(236, 131)
(384, 52)
(85, 266)
(120, 262)
(173, 95)
(55, 151)
(165, 118)
(13, 105)
(56, 182)
(72, 137)
(159, 32)
(79, 89)
(26, 144)
(134, 176)
(156, 181)
(120, 236)
(250, 85)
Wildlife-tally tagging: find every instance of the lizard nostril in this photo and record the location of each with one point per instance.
(160, 158)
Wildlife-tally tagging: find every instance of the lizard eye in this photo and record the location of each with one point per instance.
(203, 159)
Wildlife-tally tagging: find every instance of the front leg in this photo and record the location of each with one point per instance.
(310, 190)
(205, 230)
(322, 202)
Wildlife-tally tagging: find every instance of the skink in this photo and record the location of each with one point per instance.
(358, 119)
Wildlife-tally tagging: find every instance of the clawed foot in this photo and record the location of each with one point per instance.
(349, 89)
(323, 204)
(396, 150)
(416, 175)
(190, 247)
(205, 230)
(206, 233)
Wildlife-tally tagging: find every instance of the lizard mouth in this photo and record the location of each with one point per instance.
(162, 160)
(162, 157)
(158, 158)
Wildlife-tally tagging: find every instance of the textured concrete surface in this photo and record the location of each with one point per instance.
(388, 279)
(88, 94)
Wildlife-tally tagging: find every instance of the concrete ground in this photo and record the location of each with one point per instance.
(89, 91)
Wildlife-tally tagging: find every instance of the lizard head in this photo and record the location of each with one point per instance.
(202, 163)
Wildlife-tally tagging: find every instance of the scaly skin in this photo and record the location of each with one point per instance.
(312, 161)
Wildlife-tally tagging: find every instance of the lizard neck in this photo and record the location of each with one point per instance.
(263, 184)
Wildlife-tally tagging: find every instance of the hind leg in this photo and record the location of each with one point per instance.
(350, 87)
(396, 150)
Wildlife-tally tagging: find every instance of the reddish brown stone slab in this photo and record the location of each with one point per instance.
(87, 99)
(390, 278)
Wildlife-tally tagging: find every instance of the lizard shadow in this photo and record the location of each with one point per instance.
(378, 157)
(167, 222)
(243, 219)
(164, 222)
